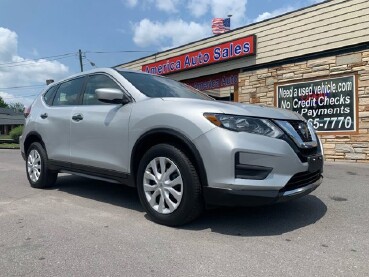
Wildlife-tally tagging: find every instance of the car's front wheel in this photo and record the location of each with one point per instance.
(168, 186)
(38, 173)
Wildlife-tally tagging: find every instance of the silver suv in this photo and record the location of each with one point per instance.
(181, 149)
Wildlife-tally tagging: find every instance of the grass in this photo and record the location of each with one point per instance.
(9, 146)
(6, 144)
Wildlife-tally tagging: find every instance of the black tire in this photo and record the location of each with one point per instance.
(46, 178)
(191, 204)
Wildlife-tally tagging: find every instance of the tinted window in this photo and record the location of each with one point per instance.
(49, 95)
(68, 92)
(94, 82)
(156, 86)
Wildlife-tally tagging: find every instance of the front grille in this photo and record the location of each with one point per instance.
(299, 127)
(302, 179)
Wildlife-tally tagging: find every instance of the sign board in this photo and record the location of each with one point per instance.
(215, 81)
(330, 104)
(241, 47)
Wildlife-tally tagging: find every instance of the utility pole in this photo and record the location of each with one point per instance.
(80, 59)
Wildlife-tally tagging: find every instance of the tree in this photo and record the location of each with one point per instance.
(2, 103)
(17, 107)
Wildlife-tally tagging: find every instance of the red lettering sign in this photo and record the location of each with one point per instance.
(215, 81)
(226, 51)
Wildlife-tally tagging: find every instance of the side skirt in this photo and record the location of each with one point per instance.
(93, 172)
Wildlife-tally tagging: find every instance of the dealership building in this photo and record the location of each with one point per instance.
(313, 61)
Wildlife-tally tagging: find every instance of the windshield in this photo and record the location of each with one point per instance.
(159, 87)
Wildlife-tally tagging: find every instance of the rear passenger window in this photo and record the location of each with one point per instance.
(49, 95)
(68, 92)
(94, 82)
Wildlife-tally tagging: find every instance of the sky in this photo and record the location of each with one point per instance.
(40, 39)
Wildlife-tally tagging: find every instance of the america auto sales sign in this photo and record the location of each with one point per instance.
(241, 47)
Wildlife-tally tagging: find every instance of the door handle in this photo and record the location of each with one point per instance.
(44, 115)
(77, 117)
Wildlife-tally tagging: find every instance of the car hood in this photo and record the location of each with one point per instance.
(235, 108)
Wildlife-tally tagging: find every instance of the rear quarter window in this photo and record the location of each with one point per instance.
(49, 95)
(68, 92)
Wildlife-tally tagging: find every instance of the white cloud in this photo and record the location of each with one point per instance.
(173, 33)
(177, 32)
(130, 3)
(220, 8)
(6, 96)
(11, 98)
(167, 5)
(16, 71)
(8, 44)
(274, 13)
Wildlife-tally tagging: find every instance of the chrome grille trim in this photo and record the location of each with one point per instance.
(310, 141)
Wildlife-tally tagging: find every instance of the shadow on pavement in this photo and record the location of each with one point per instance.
(262, 221)
(115, 194)
(255, 221)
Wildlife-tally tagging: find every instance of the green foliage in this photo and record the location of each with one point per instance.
(17, 107)
(9, 146)
(2, 103)
(16, 133)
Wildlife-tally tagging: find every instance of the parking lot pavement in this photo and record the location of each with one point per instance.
(84, 227)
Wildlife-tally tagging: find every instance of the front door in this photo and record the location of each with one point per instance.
(99, 131)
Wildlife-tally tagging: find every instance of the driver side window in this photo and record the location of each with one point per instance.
(94, 82)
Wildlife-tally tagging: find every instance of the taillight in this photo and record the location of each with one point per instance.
(27, 111)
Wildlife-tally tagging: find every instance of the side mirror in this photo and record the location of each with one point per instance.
(112, 96)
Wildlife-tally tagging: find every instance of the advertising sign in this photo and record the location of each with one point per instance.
(215, 81)
(222, 52)
(330, 104)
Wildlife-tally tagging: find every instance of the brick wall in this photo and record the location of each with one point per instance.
(257, 87)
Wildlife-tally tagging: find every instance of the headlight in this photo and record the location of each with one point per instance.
(253, 125)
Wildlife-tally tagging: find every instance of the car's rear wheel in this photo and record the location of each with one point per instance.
(38, 173)
(168, 186)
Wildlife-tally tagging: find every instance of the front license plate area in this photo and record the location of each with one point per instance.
(315, 163)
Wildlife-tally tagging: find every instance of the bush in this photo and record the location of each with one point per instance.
(16, 133)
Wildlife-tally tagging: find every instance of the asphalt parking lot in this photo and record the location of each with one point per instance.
(84, 227)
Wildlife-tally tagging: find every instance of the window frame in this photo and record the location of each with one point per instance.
(56, 87)
(78, 101)
(112, 79)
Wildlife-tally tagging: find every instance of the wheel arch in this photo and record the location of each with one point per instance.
(31, 138)
(172, 137)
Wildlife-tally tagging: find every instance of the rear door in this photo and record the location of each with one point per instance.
(99, 135)
(54, 120)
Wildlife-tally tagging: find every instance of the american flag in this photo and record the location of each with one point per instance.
(220, 25)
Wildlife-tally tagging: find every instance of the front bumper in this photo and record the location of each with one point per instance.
(247, 169)
(247, 198)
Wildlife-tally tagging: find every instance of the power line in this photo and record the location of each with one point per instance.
(66, 55)
(31, 62)
(42, 58)
(17, 97)
(22, 87)
(119, 51)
